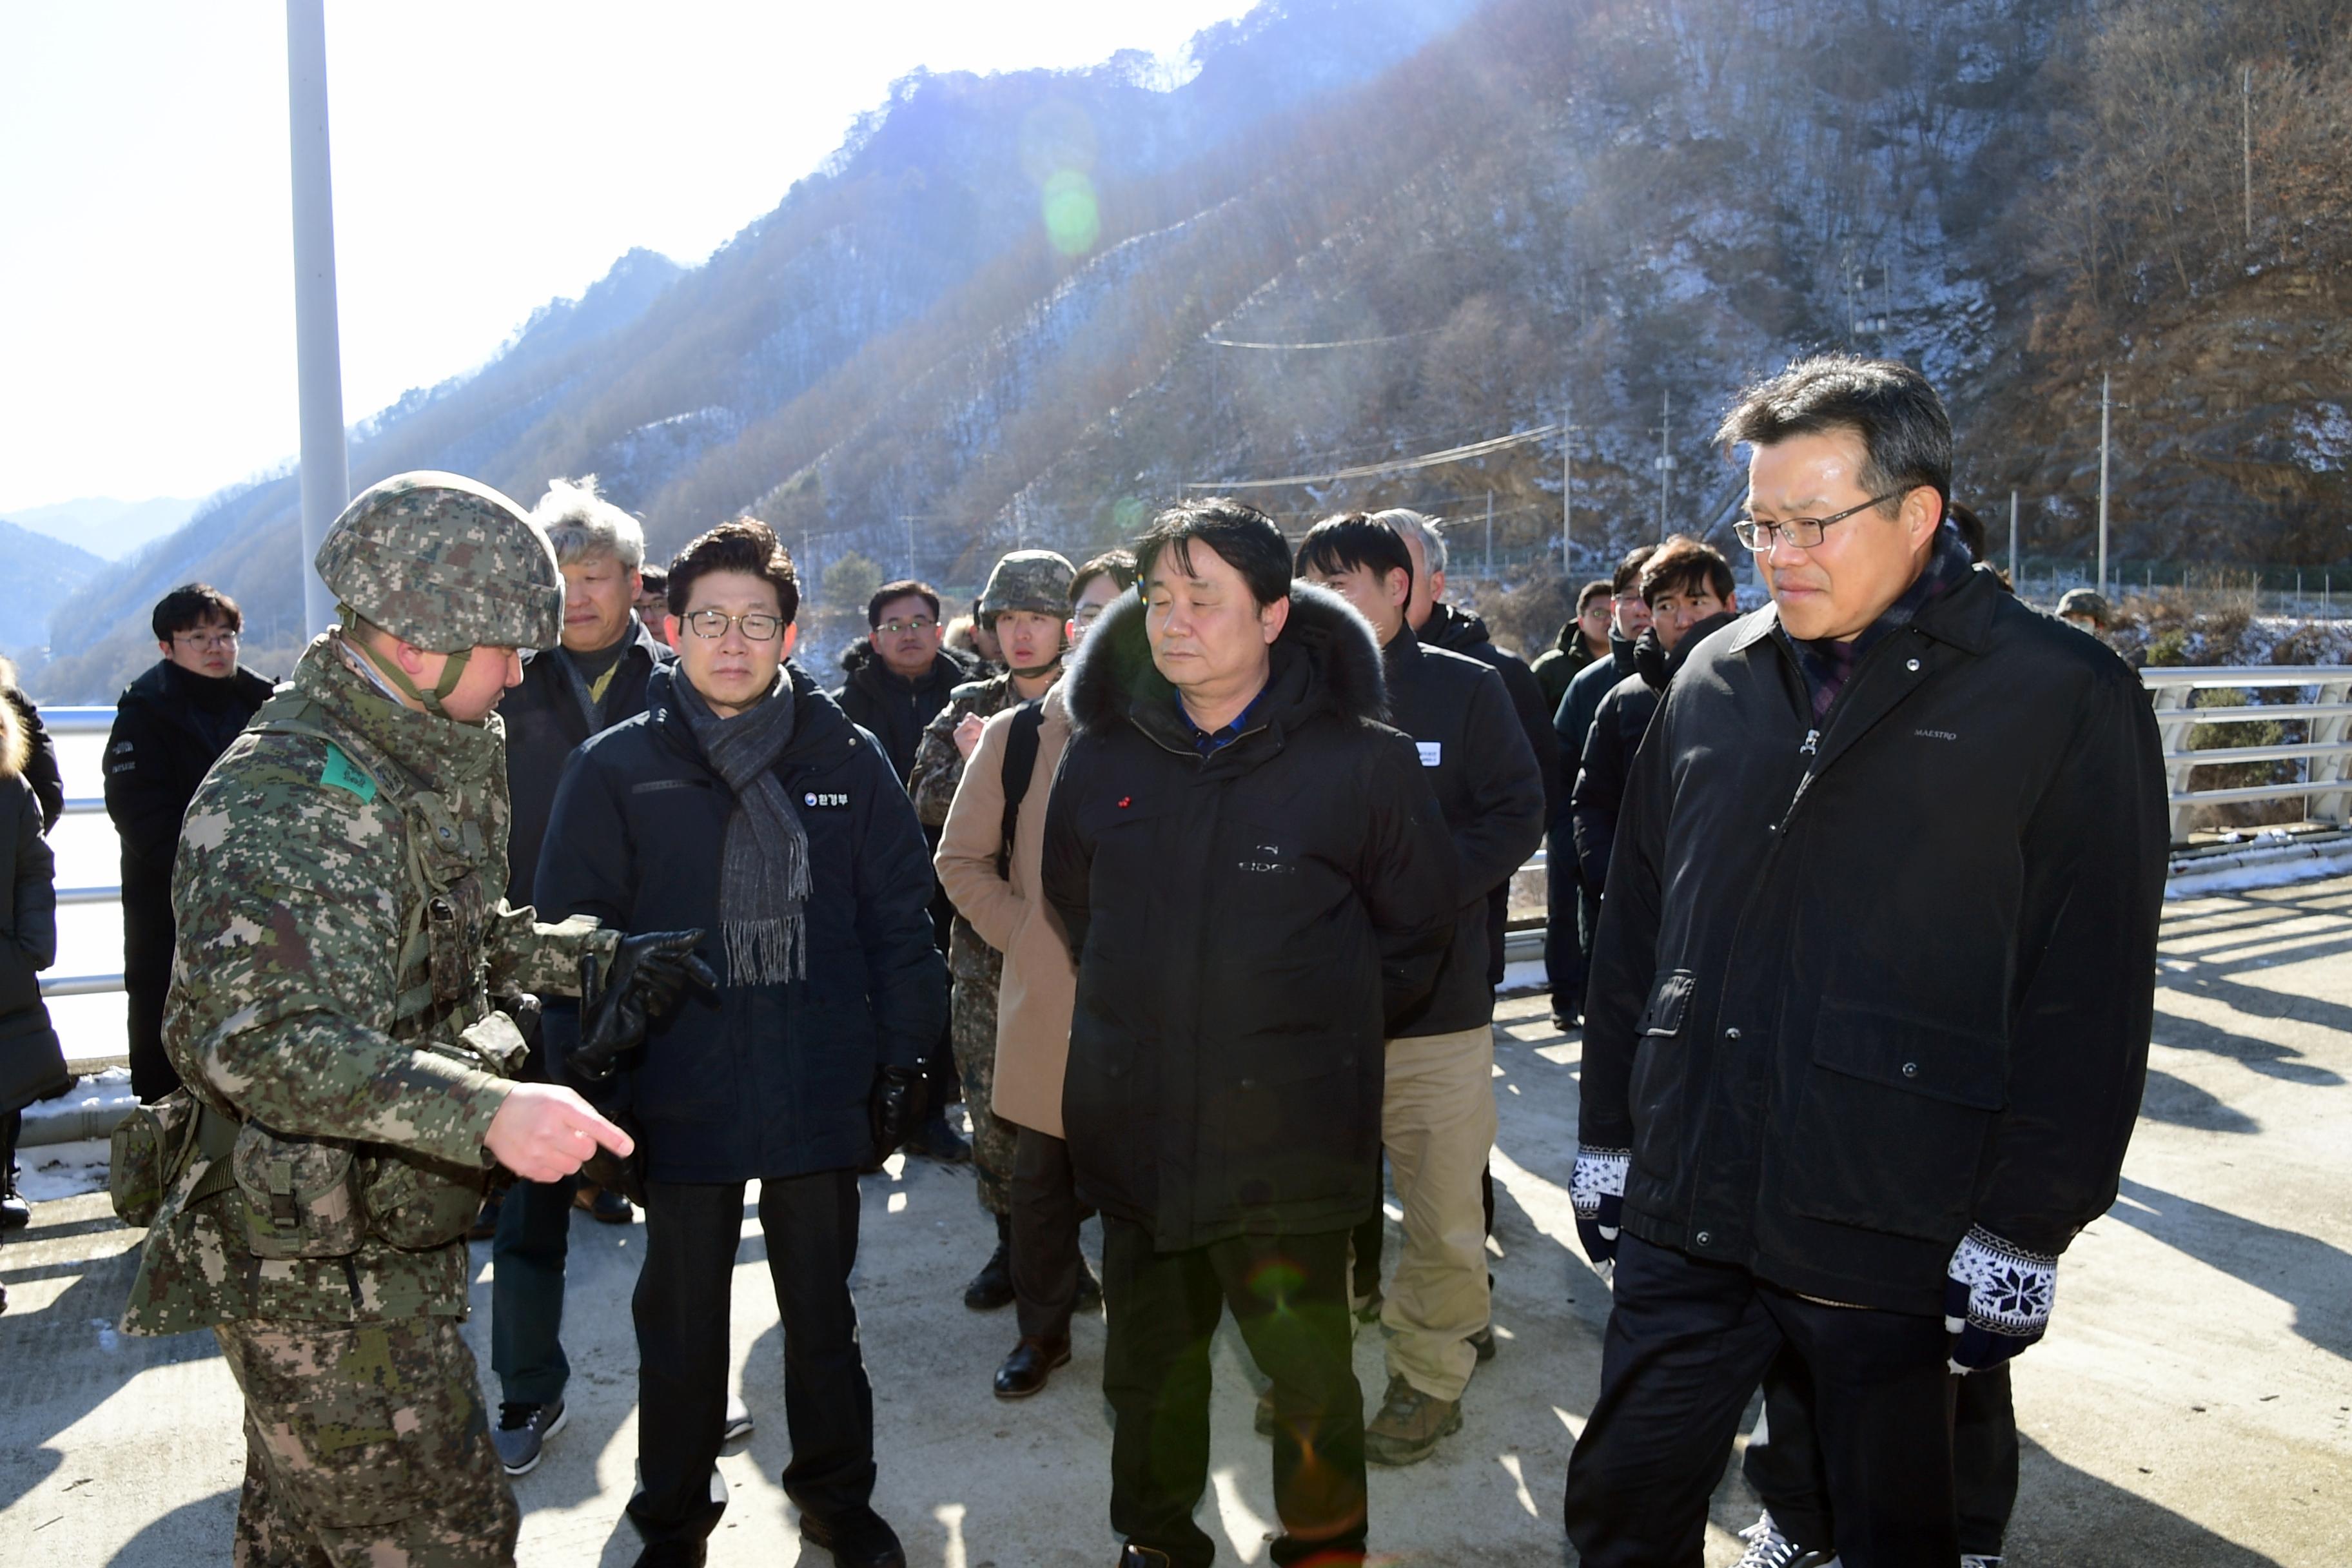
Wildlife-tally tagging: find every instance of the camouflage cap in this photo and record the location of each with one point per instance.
(1036, 580)
(445, 563)
(2087, 602)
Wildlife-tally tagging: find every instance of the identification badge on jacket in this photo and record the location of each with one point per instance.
(1433, 752)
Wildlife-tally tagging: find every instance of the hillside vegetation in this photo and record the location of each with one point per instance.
(1032, 308)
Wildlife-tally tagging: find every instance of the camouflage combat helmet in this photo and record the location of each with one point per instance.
(1036, 580)
(2088, 604)
(447, 564)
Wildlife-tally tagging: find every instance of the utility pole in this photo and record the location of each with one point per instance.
(318, 350)
(2012, 541)
(1490, 535)
(2246, 143)
(1665, 459)
(1567, 486)
(2106, 380)
(911, 544)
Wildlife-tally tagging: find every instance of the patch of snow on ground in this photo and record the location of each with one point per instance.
(53, 1170)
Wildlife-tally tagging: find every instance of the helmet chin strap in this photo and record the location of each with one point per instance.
(452, 672)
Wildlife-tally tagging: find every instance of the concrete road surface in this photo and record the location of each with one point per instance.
(2192, 1404)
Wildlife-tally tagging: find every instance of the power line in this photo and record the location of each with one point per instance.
(1336, 344)
(1374, 470)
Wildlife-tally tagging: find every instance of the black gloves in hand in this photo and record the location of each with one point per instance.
(894, 1107)
(647, 974)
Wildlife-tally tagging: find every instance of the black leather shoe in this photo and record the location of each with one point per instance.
(993, 1287)
(1135, 1556)
(1031, 1362)
(673, 1555)
(860, 1540)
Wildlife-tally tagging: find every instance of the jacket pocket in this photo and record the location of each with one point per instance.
(1894, 1120)
(1651, 1089)
(296, 1194)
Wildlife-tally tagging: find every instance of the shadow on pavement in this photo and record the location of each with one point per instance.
(193, 1532)
(2072, 1517)
(2307, 1274)
(2183, 1104)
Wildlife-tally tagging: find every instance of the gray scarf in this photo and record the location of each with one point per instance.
(764, 874)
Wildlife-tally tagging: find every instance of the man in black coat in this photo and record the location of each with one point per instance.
(896, 682)
(594, 679)
(743, 803)
(1258, 888)
(1689, 590)
(170, 725)
(1437, 1111)
(1573, 905)
(1870, 999)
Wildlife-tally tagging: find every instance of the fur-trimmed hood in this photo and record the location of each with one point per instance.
(1113, 671)
(15, 741)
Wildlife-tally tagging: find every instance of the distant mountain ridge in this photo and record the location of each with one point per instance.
(1032, 308)
(110, 527)
(37, 573)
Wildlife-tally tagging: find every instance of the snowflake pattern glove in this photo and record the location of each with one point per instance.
(1997, 1299)
(1597, 1193)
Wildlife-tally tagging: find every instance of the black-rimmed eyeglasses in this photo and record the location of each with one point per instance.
(1803, 533)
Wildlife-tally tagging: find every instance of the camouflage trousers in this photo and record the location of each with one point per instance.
(366, 1443)
(971, 1027)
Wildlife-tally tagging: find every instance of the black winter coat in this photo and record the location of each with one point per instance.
(1491, 793)
(547, 717)
(1572, 721)
(757, 1080)
(168, 730)
(1247, 927)
(891, 707)
(1458, 631)
(1618, 726)
(1856, 988)
(28, 876)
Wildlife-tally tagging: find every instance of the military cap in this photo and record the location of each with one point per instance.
(2087, 603)
(445, 563)
(1036, 580)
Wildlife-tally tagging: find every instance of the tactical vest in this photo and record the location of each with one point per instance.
(322, 1197)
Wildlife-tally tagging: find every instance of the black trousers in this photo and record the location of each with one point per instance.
(1289, 1296)
(146, 980)
(691, 1231)
(1564, 950)
(1046, 1214)
(1688, 1342)
(1784, 1461)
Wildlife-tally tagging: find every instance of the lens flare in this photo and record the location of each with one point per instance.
(1073, 222)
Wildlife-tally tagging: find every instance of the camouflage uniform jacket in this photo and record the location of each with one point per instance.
(321, 988)
(939, 768)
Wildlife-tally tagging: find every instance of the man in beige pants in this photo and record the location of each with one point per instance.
(1437, 1107)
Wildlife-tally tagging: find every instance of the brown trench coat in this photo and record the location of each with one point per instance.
(1040, 986)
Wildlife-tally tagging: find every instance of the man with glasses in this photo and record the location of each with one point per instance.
(1870, 1004)
(170, 725)
(743, 804)
(894, 681)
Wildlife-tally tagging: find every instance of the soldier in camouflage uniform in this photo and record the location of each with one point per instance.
(1027, 604)
(342, 925)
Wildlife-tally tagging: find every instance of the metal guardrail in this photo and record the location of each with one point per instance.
(2326, 787)
(2326, 784)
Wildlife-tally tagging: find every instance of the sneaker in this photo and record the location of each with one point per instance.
(1980, 1560)
(738, 1423)
(1409, 1426)
(522, 1433)
(1768, 1548)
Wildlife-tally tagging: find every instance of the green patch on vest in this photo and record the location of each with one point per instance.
(342, 773)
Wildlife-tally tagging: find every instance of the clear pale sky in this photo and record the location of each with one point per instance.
(488, 157)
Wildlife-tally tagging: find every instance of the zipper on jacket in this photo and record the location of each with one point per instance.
(1812, 745)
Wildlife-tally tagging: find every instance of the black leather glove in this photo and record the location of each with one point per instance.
(647, 974)
(894, 1107)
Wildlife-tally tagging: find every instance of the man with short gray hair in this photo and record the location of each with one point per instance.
(591, 681)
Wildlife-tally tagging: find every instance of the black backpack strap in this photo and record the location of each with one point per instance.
(1020, 761)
